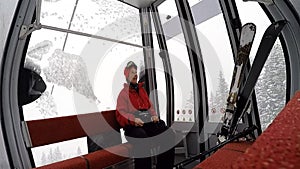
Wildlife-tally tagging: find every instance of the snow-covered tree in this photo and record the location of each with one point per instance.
(211, 102)
(79, 151)
(57, 154)
(70, 71)
(50, 157)
(271, 86)
(44, 159)
(40, 49)
(221, 93)
(189, 103)
(213, 117)
(46, 105)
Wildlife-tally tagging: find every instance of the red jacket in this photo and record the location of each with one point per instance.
(129, 101)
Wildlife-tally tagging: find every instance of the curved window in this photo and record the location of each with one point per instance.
(160, 77)
(217, 55)
(271, 85)
(182, 75)
(82, 74)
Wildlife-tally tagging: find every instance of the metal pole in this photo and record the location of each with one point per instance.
(90, 35)
(70, 24)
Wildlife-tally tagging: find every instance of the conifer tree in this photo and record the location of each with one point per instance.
(271, 86)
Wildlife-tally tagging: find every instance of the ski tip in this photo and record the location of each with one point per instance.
(274, 29)
(278, 25)
(250, 25)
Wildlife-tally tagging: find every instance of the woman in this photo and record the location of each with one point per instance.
(137, 116)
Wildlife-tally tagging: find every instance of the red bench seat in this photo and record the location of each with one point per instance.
(224, 157)
(48, 131)
(277, 147)
(96, 160)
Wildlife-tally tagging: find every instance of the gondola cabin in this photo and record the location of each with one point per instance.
(217, 73)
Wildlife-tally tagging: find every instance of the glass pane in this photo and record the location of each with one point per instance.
(218, 61)
(108, 18)
(182, 75)
(55, 13)
(160, 76)
(79, 56)
(271, 85)
(63, 72)
(183, 82)
(58, 152)
(83, 75)
(160, 79)
(42, 46)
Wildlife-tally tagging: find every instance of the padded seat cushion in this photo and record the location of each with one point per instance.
(224, 157)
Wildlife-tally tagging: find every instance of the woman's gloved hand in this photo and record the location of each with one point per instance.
(138, 122)
(155, 119)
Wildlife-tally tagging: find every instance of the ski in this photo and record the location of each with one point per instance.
(264, 49)
(246, 40)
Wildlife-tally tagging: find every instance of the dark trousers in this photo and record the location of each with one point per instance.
(142, 147)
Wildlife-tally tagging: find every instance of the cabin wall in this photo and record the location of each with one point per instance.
(7, 9)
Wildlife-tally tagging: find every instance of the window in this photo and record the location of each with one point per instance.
(160, 78)
(57, 152)
(56, 14)
(217, 56)
(271, 85)
(83, 75)
(182, 75)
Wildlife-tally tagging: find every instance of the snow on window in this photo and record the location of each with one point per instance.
(271, 86)
(63, 63)
(69, 71)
